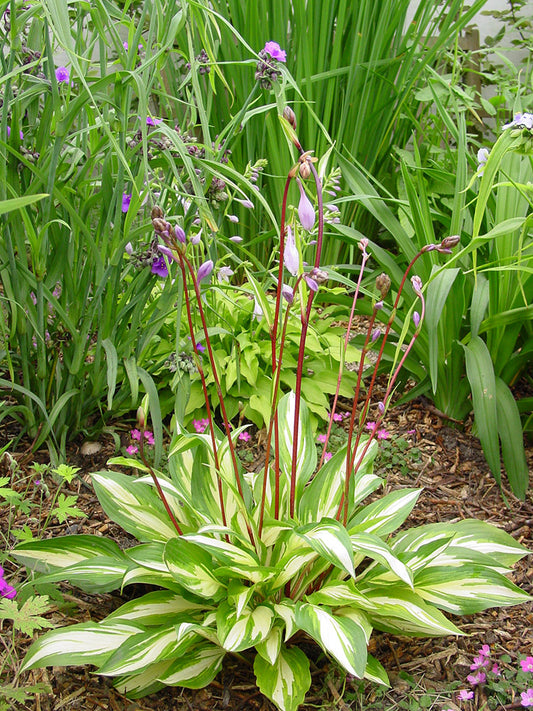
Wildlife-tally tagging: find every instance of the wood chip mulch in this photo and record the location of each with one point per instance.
(457, 484)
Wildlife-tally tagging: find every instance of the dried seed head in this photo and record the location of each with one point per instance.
(383, 284)
(157, 212)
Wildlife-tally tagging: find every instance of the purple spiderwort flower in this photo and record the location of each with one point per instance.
(159, 267)
(62, 75)
(306, 213)
(6, 590)
(275, 51)
(150, 121)
(291, 256)
(126, 199)
(204, 270)
(200, 348)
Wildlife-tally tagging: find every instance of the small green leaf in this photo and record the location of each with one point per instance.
(65, 508)
(28, 618)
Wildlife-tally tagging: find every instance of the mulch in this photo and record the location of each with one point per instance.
(457, 484)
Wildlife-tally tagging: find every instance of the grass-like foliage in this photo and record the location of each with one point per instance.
(253, 563)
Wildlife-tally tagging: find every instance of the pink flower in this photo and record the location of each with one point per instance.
(132, 449)
(6, 590)
(383, 434)
(337, 417)
(479, 678)
(496, 670)
(465, 695)
(135, 434)
(245, 436)
(321, 438)
(275, 51)
(527, 697)
(306, 213)
(479, 662)
(149, 437)
(527, 664)
(200, 425)
(327, 456)
(485, 650)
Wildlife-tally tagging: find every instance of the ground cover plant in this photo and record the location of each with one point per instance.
(256, 562)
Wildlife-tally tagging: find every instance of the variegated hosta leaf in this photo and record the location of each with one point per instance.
(295, 556)
(399, 610)
(189, 516)
(286, 610)
(135, 507)
(306, 449)
(336, 594)
(157, 608)
(97, 575)
(366, 544)
(285, 682)
(47, 556)
(339, 636)
(237, 633)
(85, 643)
(467, 589)
(375, 672)
(143, 683)
(223, 551)
(191, 566)
(331, 541)
(147, 648)
(197, 668)
(270, 647)
(385, 515)
(475, 535)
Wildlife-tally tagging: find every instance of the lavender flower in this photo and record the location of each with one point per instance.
(275, 51)
(482, 158)
(520, 121)
(416, 281)
(245, 203)
(306, 213)
(235, 238)
(224, 273)
(6, 590)
(159, 267)
(233, 218)
(287, 293)
(291, 256)
(129, 248)
(62, 75)
(126, 199)
(416, 318)
(527, 697)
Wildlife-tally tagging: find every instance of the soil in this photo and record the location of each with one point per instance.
(422, 449)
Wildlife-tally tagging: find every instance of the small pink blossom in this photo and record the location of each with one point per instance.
(245, 436)
(479, 662)
(132, 449)
(200, 425)
(485, 650)
(337, 417)
(149, 437)
(496, 670)
(479, 678)
(321, 438)
(465, 695)
(383, 434)
(527, 664)
(527, 697)
(327, 456)
(135, 434)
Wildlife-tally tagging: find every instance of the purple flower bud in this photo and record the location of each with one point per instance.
(235, 238)
(180, 234)
(287, 293)
(381, 407)
(311, 283)
(233, 218)
(376, 333)
(204, 270)
(331, 207)
(416, 281)
(129, 248)
(448, 243)
(306, 213)
(195, 239)
(245, 203)
(363, 244)
(416, 318)
(378, 305)
(291, 257)
(165, 250)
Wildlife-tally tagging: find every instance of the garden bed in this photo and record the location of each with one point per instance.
(447, 462)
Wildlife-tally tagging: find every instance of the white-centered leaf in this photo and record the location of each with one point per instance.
(285, 682)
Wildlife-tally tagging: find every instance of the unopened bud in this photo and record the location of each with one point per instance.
(180, 234)
(305, 170)
(141, 418)
(376, 333)
(448, 243)
(311, 283)
(383, 284)
(159, 225)
(381, 407)
(416, 318)
(157, 212)
(289, 114)
(319, 275)
(416, 281)
(204, 270)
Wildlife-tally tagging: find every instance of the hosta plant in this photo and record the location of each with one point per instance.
(251, 564)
